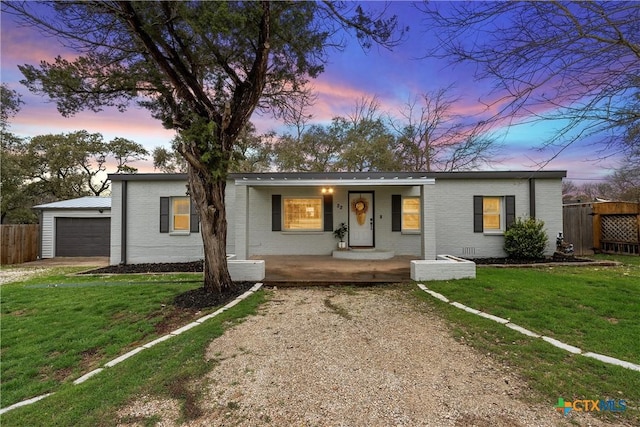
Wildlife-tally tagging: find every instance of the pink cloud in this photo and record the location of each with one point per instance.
(135, 124)
(25, 45)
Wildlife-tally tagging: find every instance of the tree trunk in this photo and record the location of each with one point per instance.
(208, 194)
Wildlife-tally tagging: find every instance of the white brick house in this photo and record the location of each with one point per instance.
(421, 214)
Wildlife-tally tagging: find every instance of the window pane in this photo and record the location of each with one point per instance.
(181, 206)
(491, 213)
(181, 222)
(180, 210)
(411, 213)
(303, 214)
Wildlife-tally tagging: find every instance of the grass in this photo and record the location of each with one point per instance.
(594, 308)
(57, 327)
(53, 334)
(340, 311)
(165, 370)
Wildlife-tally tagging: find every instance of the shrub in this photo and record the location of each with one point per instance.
(525, 239)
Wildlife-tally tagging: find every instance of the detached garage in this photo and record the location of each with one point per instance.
(75, 228)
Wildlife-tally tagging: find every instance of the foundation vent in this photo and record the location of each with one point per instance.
(468, 251)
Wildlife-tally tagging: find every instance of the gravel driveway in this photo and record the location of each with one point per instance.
(345, 357)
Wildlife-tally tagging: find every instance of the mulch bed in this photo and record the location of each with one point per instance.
(193, 299)
(513, 261)
(199, 298)
(175, 267)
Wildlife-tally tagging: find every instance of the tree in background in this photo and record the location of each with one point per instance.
(625, 184)
(427, 138)
(431, 137)
(74, 164)
(201, 68)
(251, 152)
(576, 63)
(15, 201)
(125, 152)
(168, 161)
(622, 185)
(48, 168)
(313, 149)
(367, 142)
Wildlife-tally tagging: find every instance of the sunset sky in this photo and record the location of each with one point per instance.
(393, 77)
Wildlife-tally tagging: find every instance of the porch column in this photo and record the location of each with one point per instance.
(428, 221)
(241, 221)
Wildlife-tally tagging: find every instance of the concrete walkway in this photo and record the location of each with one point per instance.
(288, 270)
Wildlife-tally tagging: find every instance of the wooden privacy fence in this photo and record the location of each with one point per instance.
(19, 243)
(612, 227)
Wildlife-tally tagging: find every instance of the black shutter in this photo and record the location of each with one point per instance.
(510, 210)
(396, 212)
(328, 212)
(164, 214)
(478, 226)
(276, 212)
(194, 218)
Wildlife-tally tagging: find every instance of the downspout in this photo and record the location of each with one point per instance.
(123, 225)
(532, 198)
(40, 218)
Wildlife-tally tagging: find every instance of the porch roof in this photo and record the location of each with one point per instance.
(332, 178)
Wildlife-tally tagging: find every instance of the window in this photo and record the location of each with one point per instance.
(411, 214)
(302, 214)
(180, 213)
(491, 209)
(493, 214)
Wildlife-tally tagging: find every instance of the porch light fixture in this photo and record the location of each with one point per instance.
(327, 190)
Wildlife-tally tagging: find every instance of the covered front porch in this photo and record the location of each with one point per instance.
(290, 220)
(384, 214)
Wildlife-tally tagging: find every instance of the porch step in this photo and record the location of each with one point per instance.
(363, 254)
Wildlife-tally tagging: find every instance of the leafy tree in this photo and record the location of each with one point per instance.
(576, 63)
(201, 68)
(15, 200)
(74, 164)
(126, 151)
(251, 152)
(367, 142)
(368, 145)
(359, 142)
(9, 106)
(315, 149)
(168, 161)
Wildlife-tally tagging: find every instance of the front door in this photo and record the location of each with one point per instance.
(361, 219)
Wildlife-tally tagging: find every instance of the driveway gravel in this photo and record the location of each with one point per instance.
(352, 357)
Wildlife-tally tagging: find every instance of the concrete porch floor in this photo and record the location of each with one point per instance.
(325, 270)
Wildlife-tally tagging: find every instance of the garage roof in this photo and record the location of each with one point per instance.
(89, 202)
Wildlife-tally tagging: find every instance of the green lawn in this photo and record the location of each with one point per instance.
(58, 327)
(594, 308)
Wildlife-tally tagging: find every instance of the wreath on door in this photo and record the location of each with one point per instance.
(360, 207)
